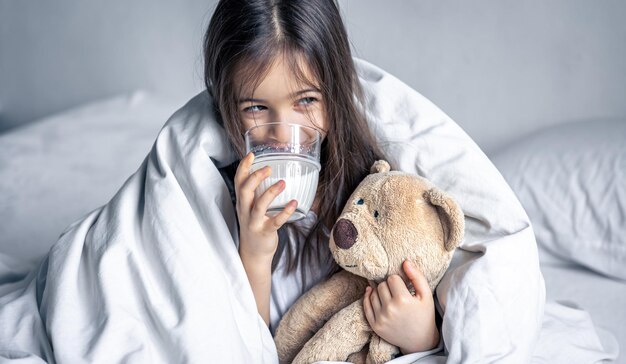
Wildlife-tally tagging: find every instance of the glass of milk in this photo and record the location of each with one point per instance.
(293, 153)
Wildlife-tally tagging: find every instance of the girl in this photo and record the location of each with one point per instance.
(290, 61)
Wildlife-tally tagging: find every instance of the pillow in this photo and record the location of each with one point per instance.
(571, 179)
(57, 169)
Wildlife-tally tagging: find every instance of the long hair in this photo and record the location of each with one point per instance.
(243, 38)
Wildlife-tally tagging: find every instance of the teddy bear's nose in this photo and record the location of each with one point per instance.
(344, 234)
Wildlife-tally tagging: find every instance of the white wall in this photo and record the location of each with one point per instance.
(500, 68)
(56, 54)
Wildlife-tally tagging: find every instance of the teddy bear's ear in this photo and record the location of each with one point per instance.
(451, 216)
(380, 166)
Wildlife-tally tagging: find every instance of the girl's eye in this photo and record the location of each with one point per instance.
(307, 101)
(254, 108)
(360, 202)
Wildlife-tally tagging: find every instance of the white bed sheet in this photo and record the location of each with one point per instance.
(604, 298)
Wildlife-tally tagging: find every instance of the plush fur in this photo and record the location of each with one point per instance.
(391, 216)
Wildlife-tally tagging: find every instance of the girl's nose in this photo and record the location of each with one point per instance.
(281, 132)
(281, 116)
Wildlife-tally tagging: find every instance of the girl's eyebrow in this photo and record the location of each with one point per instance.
(293, 95)
(304, 91)
(241, 101)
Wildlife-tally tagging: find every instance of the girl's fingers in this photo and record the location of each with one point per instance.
(255, 178)
(367, 306)
(422, 289)
(261, 204)
(243, 170)
(245, 194)
(278, 220)
(384, 293)
(375, 301)
(397, 286)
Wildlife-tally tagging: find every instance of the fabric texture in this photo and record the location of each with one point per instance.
(571, 180)
(154, 276)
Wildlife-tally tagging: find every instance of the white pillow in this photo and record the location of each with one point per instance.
(57, 169)
(571, 179)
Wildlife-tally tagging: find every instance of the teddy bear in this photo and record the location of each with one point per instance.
(392, 216)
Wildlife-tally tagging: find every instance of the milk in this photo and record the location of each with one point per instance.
(300, 174)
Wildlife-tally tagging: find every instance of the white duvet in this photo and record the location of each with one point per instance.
(154, 276)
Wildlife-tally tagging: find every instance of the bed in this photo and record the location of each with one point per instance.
(571, 179)
(89, 152)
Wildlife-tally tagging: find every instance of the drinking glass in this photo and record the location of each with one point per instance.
(293, 153)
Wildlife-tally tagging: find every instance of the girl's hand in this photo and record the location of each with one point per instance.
(258, 236)
(400, 318)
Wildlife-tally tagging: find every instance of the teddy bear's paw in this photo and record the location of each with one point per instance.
(378, 358)
(380, 351)
(358, 357)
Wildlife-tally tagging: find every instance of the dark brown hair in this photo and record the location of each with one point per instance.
(253, 33)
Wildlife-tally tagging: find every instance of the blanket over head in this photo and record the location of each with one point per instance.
(154, 275)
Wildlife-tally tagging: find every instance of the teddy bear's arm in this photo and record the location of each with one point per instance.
(380, 350)
(344, 334)
(313, 309)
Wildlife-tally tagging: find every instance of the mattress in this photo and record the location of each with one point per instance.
(604, 298)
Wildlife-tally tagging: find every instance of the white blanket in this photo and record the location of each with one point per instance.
(154, 276)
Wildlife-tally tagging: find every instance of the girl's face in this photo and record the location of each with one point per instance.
(280, 98)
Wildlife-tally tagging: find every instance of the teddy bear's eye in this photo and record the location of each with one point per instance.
(360, 202)
(376, 213)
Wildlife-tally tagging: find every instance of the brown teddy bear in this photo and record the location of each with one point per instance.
(392, 216)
